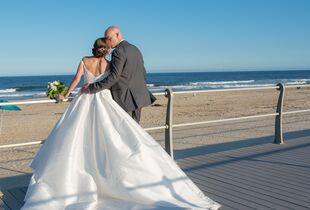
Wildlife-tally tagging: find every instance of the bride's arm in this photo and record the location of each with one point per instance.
(75, 80)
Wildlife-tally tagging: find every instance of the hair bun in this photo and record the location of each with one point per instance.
(100, 46)
(98, 52)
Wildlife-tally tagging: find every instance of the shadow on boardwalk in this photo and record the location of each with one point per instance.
(253, 173)
(246, 174)
(208, 149)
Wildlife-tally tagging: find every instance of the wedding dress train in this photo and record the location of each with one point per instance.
(98, 158)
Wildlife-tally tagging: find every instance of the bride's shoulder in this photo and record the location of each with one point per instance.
(87, 59)
(91, 60)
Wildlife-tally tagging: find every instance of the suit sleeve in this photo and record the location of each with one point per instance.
(116, 68)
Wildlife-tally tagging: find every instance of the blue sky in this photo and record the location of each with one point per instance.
(50, 37)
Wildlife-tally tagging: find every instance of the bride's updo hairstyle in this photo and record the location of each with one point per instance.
(100, 48)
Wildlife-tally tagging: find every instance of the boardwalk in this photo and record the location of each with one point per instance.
(257, 175)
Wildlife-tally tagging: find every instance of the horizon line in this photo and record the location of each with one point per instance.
(173, 71)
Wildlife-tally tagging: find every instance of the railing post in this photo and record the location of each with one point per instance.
(278, 123)
(168, 129)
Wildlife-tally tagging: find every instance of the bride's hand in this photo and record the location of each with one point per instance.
(60, 98)
(85, 88)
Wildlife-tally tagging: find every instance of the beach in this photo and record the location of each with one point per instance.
(35, 121)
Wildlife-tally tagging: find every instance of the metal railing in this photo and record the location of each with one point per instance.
(169, 114)
(44, 101)
(278, 121)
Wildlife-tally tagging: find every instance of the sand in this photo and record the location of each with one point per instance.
(35, 121)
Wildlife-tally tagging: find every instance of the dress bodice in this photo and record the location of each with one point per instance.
(90, 78)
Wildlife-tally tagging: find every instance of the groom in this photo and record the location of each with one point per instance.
(127, 78)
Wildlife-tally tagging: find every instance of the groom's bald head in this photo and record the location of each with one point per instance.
(113, 29)
(113, 35)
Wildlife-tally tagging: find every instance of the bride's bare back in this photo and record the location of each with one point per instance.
(96, 66)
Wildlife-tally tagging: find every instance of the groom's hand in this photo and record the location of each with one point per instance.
(85, 88)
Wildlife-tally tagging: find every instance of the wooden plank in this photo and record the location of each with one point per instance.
(258, 184)
(10, 200)
(263, 177)
(225, 201)
(256, 154)
(255, 168)
(14, 181)
(252, 194)
(24, 189)
(256, 174)
(18, 194)
(251, 170)
(3, 205)
(238, 201)
(256, 201)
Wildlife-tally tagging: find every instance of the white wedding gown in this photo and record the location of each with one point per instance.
(98, 158)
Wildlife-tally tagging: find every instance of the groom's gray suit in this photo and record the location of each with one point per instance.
(127, 80)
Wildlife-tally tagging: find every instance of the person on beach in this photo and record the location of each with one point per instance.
(127, 78)
(98, 156)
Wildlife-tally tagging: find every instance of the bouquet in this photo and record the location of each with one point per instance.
(55, 88)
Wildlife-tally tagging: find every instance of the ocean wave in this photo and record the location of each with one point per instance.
(243, 86)
(223, 82)
(230, 84)
(296, 83)
(29, 88)
(9, 90)
(33, 91)
(154, 90)
(304, 80)
(14, 95)
(200, 87)
(172, 86)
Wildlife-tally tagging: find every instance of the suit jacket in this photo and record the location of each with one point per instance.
(127, 78)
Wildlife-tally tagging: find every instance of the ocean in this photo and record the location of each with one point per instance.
(29, 87)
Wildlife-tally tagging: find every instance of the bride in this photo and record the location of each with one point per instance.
(97, 157)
